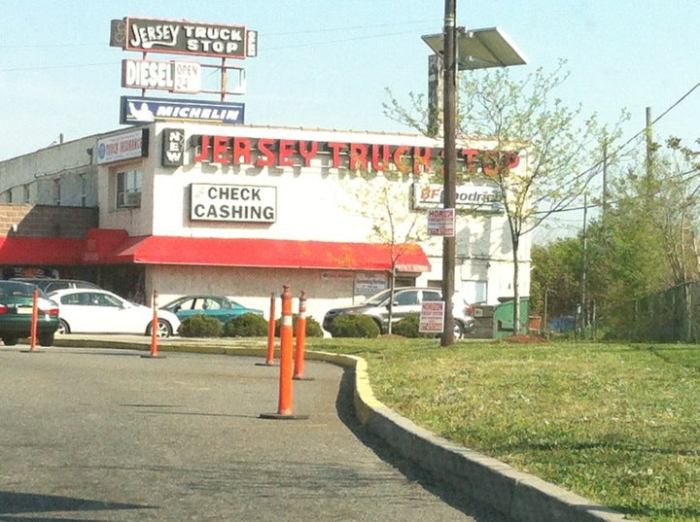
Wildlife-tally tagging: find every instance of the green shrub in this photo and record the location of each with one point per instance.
(246, 325)
(408, 327)
(354, 326)
(200, 326)
(313, 328)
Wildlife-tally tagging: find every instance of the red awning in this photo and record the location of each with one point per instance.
(26, 250)
(268, 253)
(106, 246)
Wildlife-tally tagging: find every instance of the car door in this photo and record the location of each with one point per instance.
(213, 307)
(406, 302)
(83, 312)
(110, 313)
(186, 308)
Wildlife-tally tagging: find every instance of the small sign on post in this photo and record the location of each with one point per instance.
(441, 222)
(432, 317)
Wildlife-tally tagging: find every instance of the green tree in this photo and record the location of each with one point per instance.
(646, 241)
(556, 277)
(555, 141)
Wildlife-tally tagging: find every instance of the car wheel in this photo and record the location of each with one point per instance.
(63, 328)
(10, 341)
(46, 339)
(164, 329)
(379, 325)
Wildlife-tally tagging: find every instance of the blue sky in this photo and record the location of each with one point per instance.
(327, 63)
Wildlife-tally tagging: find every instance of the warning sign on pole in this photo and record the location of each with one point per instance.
(432, 317)
(441, 222)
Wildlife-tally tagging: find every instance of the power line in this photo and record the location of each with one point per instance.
(621, 147)
(68, 66)
(262, 35)
(277, 48)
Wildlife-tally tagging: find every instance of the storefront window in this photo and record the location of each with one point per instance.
(129, 184)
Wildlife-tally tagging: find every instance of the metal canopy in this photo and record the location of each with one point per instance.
(479, 48)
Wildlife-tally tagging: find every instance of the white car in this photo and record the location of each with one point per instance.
(92, 310)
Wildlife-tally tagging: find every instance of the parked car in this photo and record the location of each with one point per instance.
(49, 284)
(216, 306)
(407, 301)
(16, 308)
(93, 310)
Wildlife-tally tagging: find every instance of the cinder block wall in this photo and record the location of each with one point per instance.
(24, 219)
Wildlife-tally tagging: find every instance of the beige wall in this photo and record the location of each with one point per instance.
(252, 286)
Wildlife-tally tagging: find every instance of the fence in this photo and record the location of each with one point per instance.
(672, 315)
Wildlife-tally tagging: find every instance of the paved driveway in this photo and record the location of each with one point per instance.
(108, 435)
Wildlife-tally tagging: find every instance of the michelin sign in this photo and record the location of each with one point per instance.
(136, 109)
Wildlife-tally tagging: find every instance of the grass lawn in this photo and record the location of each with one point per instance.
(616, 423)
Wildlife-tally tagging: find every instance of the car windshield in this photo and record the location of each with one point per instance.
(378, 299)
(12, 289)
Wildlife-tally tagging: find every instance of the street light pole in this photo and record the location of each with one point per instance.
(450, 167)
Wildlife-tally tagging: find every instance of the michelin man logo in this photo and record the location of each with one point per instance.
(142, 113)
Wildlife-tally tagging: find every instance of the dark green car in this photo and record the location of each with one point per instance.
(16, 304)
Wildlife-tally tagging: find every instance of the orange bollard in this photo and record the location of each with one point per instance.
(284, 408)
(154, 329)
(301, 341)
(271, 333)
(35, 320)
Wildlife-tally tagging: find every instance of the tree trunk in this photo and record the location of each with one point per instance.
(516, 291)
(392, 284)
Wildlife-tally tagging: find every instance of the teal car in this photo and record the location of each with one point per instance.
(16, 306)
(219, 307)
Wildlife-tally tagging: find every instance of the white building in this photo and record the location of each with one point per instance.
(242, 210)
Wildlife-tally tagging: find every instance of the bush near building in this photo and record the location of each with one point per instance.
(246, 325)
(313, 328)
(200, 326)
(408, 327)
(354, 326)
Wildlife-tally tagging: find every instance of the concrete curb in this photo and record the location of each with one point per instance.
(519, 496)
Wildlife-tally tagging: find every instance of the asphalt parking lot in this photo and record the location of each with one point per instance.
(108, 435)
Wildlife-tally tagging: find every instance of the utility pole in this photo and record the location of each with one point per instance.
(450, 151)
(649, 177)
(650, 144)
(605, 177)
(584, 275)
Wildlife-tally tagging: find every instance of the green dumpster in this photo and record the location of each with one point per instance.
(503, 317)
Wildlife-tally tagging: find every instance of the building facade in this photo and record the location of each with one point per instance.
(184, 208)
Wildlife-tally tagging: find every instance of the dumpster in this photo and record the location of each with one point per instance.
(483, 321)
(503, 317)
(495, 322)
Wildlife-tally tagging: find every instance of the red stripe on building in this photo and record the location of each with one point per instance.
(26, 250)
(104, 247)
(270, 253)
